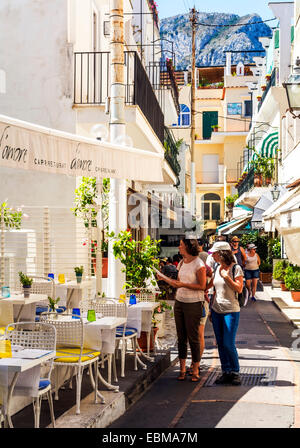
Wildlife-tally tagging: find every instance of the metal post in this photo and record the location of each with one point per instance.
(118, 197)
(2, 279)
(193, 112)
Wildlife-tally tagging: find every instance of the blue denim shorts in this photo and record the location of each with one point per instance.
(249, 274)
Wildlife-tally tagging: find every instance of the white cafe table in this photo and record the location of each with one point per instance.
(70, 292)
(22, 307)
(140, 317)
(21, 375)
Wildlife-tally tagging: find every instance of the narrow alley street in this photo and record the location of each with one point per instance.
(269, 396)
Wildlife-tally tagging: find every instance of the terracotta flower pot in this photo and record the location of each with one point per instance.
(142, 340)
(295, 296)
(266, 277)
(283, 287)
(268, 180)
(257, 180)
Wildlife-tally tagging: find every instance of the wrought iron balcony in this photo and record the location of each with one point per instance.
(171, 152)
(247, 183)
(92, 85)
(271, 83)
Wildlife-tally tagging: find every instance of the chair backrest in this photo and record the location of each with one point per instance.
(69, 332)
(143, 294)
(107, 308)
(41, 285)
(37, 335)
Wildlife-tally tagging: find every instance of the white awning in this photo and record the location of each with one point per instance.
(32, 147)
(270, 216)
(231, 226)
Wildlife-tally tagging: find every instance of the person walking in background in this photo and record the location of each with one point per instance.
(252, 270)
(202, 254)
(238, 251)
(188, 307)
(225, 311)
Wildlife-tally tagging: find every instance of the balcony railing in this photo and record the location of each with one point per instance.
(216, 176)
(270, 84)
(171, 152)
(162, 77)
(247, 183)
(92, 85)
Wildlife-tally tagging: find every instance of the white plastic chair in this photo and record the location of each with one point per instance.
(71, 352)
(41, 336)
(124, 333)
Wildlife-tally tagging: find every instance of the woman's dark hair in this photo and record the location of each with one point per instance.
(226, 256)
(192, 246)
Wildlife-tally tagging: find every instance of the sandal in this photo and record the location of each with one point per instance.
(190, 370)
(195, 378)
(181, 376)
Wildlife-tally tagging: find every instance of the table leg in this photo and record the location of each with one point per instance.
(19, 314)
(149, 358)
(8, 422)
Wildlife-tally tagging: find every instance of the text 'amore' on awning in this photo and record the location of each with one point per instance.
(28, 146)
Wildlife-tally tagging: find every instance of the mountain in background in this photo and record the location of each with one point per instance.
(212, 41)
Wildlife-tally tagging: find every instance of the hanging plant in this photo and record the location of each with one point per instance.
(12, 218)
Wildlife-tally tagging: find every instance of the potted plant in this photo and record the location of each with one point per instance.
(215, 127)
(53, 303)
(268, 77)
(230, 200)
(79, 271)
(279, 272)
(263, 87)
(292, 281)
(259, 97)
(265, 274)
(268, 168)
(137, 257)
(26, 283)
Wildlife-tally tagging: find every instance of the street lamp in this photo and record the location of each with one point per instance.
(292, 88)
(275, 193)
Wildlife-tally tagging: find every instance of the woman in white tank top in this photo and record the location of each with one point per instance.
(252, 270)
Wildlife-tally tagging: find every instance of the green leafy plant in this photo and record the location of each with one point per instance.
(274, 245)
(279, 270)
(79, 270)
(53, 303)
(230, 200)
(265, 266)
(292, 278)
(25, 280)
(12, 218)
(215, 126)
(162, 307)
(138, 258)
(263, 165)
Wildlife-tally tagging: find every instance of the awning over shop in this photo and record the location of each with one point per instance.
(32, 147)
(270, 145)
(260, 207)
(235, 224)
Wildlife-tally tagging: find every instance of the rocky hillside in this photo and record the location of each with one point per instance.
(212, 41)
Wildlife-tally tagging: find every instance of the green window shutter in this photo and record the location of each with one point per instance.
(292, 33)
(208, 120)
(276, 39)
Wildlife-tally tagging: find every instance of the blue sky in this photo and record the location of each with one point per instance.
(167, 8)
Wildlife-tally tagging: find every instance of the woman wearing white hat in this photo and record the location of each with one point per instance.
(252, 270)
(225, 310)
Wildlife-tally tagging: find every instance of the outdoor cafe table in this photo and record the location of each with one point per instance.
(140, 317)
(70, 293)
(100, 335)
(21, 375)
(20, 307)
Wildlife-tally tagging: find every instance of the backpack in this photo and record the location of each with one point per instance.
(244, 295)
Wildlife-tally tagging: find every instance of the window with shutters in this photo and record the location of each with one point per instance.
(211, 207)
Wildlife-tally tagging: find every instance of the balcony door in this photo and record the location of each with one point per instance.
(208, 120)
(210, 168)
